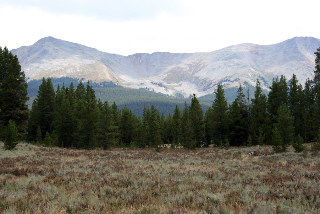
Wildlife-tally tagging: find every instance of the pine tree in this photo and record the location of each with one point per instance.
(127, 127)
(88, 129)
(155, 131)
(187, 130)
(295, 104)
(33, 121)
(63, 119)
(162, 127)
(308, 103)
(209, 125)
(176, 126)
(145, 138)
(277, 96)
(107, 129)
(316, 93)
(284, 124)
(167, 130)
(197, 120)
(298, 144)
(260, 120)
(42, 112)
(116, 113)
(48, 140)
(316, 80)
(277, 143)
(238, 120)
(219, 119)
(13, 93)
(80, 91)
(11, 136)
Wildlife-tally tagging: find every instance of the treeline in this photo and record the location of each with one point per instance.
(73, 117)
(135, 99)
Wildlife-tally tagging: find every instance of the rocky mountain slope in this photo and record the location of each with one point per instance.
(172, 73)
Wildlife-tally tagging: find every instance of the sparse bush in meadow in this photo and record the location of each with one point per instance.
(305, 153)
(48, 140)
(133, 145)
(11, 136)
(237, 155)
(277, 141)
(298, 144)
(315, 147)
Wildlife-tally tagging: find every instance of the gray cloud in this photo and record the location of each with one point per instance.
(113, 10)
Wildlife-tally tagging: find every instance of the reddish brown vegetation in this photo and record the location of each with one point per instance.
(52, 180)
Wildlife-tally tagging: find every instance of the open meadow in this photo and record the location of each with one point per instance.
(37, 179)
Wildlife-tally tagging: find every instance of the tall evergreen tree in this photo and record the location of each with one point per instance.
(168, 130)
(219, 119)
(238, 120)
(108, 131)
(80, 91)
(187, 130)
(62, 123)
(162, 126)
(197, 120)
(316, 79)
(284, 124)
(277, 96)
(42, 112)
(176, 126)
(13, 93)
(295, 104)
(316, 93)
(127, 127)
(89, 130)
(116, 114)
(260, 124)
(308, 104)
(209, 125)
(155, 129)
(146, 118)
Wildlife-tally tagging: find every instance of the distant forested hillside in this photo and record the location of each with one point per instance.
(33, 85)
(135, 99)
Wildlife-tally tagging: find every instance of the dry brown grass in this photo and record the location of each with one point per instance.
(209, 180)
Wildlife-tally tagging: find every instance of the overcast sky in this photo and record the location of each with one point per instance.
(144, 26)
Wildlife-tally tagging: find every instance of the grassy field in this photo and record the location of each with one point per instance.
(53, 180)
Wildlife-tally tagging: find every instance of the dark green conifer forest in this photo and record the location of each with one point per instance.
(74, 116)
(13, 94)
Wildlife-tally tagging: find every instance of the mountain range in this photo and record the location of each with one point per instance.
(174, 74)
